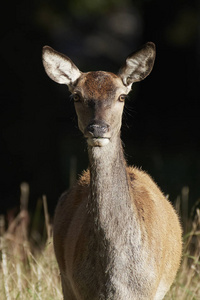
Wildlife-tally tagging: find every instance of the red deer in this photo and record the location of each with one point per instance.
(116, 236)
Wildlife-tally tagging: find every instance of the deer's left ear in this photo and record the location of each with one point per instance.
(59, 67)
(138, 65)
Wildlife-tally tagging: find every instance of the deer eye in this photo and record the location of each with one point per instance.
(122, 98)
(76, 98)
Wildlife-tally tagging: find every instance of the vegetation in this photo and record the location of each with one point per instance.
(29, 270)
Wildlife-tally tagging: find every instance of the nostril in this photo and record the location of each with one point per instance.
(91, 128)
(104, 128)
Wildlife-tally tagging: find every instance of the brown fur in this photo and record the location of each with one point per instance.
(153, 213)
(99, 85)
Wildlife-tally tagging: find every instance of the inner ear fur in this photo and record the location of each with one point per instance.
(138, 65)
(59, 67)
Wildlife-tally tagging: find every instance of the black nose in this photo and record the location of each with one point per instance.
(98, 129)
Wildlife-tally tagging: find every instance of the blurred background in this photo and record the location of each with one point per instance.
(39, 139)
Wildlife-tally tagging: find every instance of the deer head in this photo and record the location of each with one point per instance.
(99, 96)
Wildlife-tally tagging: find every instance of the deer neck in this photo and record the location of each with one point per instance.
(109, 201)
(113, 240)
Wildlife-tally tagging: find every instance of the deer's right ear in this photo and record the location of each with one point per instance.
(59, 67)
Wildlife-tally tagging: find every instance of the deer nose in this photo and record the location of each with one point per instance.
(98, 129)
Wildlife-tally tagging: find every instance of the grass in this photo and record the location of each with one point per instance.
(187, 283)
(28, 269)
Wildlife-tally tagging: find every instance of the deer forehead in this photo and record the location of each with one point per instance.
(100, 85)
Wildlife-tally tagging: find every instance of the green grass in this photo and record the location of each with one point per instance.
(28, 268)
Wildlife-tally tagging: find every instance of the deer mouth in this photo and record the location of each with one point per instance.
(98, 141)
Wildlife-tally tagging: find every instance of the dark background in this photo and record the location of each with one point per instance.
(39, 139)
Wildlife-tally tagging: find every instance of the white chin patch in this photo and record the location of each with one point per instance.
(98, 142)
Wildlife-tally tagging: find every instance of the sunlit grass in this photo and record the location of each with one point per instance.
(34, 277)
(28, 271)
(31, 272)
(187, 283)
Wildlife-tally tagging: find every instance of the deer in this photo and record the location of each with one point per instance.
(116, 236)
